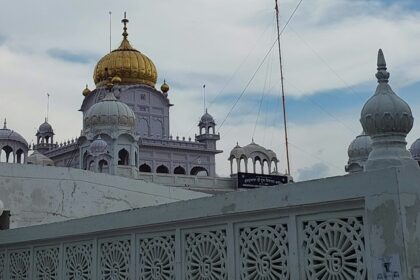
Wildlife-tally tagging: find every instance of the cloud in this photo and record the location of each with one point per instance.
(329, 59)
(73, 57)
(2, 39)
(318, 170)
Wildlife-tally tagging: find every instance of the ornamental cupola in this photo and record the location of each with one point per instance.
(387, 119)
(109, 116)
(358, 152)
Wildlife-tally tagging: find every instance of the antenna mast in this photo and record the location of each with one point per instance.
(110, 26)
(204, 95)
(48, 106)
(282, 91)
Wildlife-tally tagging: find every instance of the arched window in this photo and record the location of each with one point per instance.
(103, 166)
(265, 169)
(243, 163)
(91, 166)
(179, 170)
(273, 166)
(199, 171)
(6, 152)
(257, 165)
(162, 169)
(123, 157)
(145, 168)
(19, 156)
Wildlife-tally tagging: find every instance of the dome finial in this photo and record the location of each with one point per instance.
(5, 124)
(382, 75)
(387, 119)
(125, 21)
(164, 87)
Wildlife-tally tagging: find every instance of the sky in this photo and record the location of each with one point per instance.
(329, 53)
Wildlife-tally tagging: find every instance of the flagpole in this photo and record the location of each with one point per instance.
(282, 91)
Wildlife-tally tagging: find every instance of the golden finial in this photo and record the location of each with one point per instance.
(165, 87)
(86, 91)
(125, 21)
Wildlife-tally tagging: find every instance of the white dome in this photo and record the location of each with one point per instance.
(98, 146)
(39, 159)
(45, 128)
(253, 150)
(385, 112)
(358, 153)
(109, 113)
(10, 135)
(415, 149)
(236, 152)
(207, 118)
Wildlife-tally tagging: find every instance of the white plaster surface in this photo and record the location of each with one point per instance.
(388, 201)
(37, 194)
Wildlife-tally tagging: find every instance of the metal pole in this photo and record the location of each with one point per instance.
(282, 92)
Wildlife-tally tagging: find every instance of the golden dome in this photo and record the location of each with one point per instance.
(164, 87)
(127, 63)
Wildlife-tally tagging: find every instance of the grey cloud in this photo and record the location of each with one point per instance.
(318, 170)
(74, 57)
(182, 80)
(2, 39)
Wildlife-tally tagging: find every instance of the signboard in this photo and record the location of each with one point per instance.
(387, 268)
(251, 180)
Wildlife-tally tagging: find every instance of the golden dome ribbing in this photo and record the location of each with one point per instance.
(126, 62)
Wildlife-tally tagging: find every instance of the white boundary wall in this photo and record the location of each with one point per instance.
(336, 228)
(38, 194)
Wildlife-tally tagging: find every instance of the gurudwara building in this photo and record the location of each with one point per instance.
(126, 124)
(101, 220)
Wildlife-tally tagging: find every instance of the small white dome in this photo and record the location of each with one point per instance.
(10, 135)
(253, 151)
(236, 152)
(108, 114)
(39, 159)
(415, 149)
(45, 128)
(206, 118)
(358, 153)
(98, 146)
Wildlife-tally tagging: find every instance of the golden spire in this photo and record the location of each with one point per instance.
(125, 21)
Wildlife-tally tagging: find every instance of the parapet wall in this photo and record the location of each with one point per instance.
(360, 226)
(37, 194)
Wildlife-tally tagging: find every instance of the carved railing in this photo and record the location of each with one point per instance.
(199, 239)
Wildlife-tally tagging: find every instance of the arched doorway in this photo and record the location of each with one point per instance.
(162, 169)
(123, 157)
(20, 157)
(103, 166)
(5, 154)
(179, 170)
(145, 168)
(199, 171)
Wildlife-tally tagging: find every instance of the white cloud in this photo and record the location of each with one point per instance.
(194, 42)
